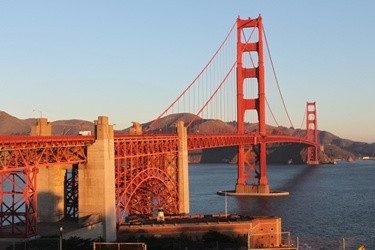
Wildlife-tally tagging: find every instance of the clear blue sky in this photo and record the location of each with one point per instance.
(129, 59)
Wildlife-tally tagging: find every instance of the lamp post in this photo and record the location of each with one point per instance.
(226, 204)
(40, 112)
(61, 234)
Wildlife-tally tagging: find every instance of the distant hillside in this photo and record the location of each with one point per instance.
(10, 125)
(71, 127)
(335, 148)
(334, 143)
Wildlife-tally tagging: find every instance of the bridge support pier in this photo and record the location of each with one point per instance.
(183, 169)
(252, 189)
(41, 128)
(97, 181)
(50, 192)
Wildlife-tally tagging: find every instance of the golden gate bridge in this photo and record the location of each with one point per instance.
(147, 170)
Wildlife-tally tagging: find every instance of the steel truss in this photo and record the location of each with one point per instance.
(19, 159)
(146, 175)
(18, 208)
(19, 152)
(71, 193)
(215, 141)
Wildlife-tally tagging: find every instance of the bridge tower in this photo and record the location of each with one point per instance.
(247, 159)
(312, 133)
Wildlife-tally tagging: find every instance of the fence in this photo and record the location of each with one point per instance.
(119, 246)
(35, 244)
(271, 241)
(254, 243)
(285, 242)
(330, 243)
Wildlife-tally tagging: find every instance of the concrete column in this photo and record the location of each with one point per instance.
(183, 169)
(136, 129)
(50, 192)
(97, 181)
(41, 128)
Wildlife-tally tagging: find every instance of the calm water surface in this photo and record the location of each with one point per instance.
(326, 203)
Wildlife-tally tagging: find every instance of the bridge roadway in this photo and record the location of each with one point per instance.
(139, 163)
(17, 152)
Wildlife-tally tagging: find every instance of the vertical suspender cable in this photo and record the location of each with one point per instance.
(253, 64)
(196, 78)
(277, 81)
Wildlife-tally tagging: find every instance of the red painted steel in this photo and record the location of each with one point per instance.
(17, 152)
(288, 139)
(146, 175)
(18, 209)
(20, 158)
(312, 133)
(257, 104)
(203, 141)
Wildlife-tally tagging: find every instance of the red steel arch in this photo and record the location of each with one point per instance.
(150, 190)
(146, 174)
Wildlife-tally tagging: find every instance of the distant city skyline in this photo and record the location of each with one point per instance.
(129, 60)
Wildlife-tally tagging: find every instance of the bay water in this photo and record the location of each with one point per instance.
(327, 203)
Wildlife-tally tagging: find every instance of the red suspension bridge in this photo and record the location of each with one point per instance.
(147, 170)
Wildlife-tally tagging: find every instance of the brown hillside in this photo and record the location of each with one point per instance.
(71, 127)
(10, 125)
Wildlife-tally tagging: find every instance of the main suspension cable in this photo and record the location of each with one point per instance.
(303, 121)
(222, 82)
(195, 79)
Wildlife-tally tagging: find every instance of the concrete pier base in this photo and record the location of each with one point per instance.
(252, 188)
(97, 181)
(41, 128)
(50, 194)
(273, 193)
